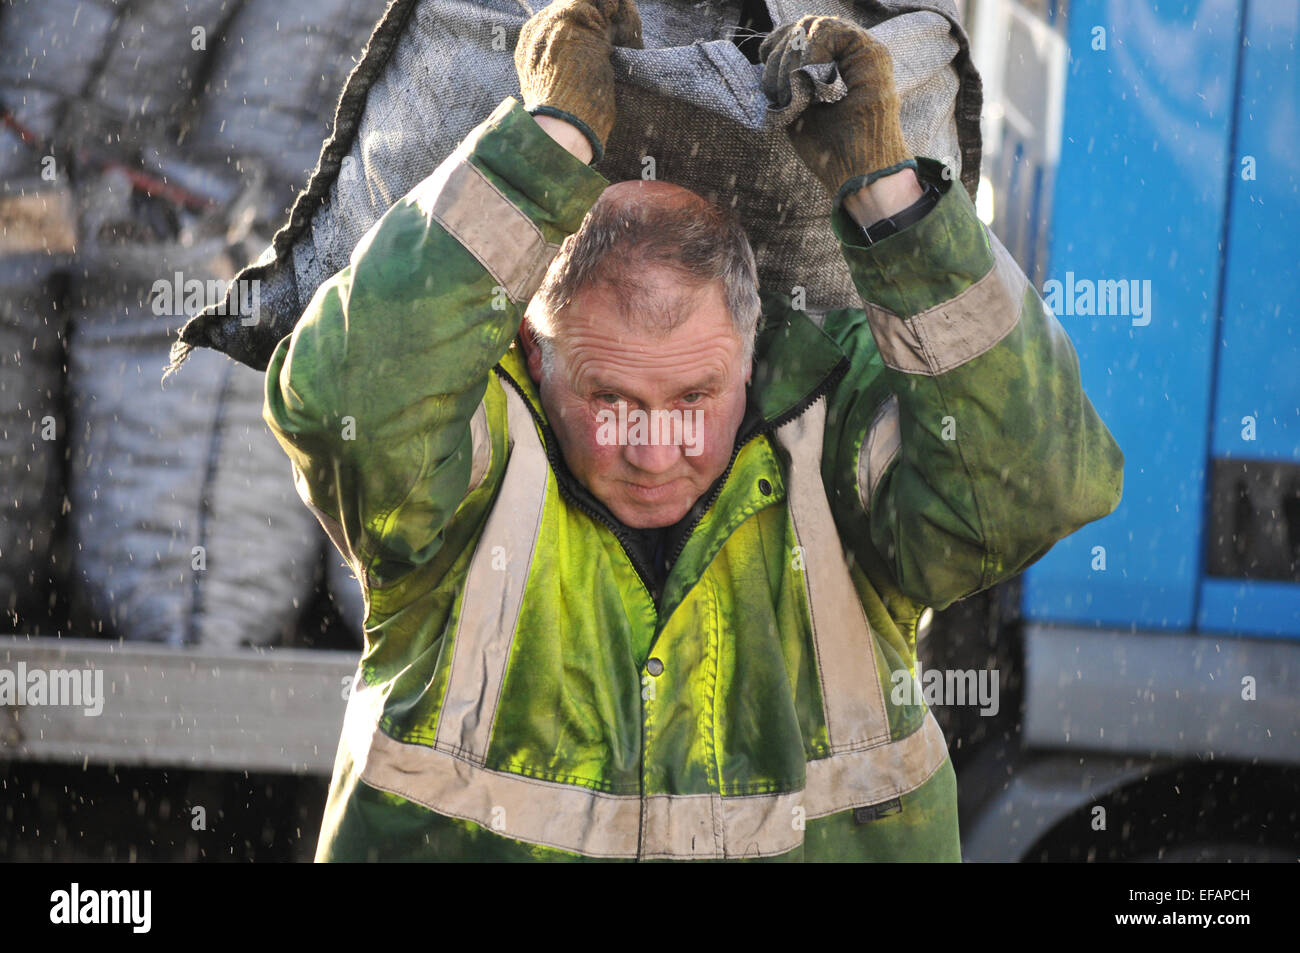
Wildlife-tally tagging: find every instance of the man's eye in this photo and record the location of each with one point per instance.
(607, 398)
(698, 395)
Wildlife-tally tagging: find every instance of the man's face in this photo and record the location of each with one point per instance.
(692, 378)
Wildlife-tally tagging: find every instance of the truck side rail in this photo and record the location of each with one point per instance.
(119, 703)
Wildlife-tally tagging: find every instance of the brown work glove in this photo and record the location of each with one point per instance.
(856, 138)
(562, 58)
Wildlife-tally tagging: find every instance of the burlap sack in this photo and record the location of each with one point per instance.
(186, 524)
(184, 516)
(37, 233)
(108, 76)
(275, 77)
(690, 102)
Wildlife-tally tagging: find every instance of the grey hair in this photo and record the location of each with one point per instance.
(619, 240)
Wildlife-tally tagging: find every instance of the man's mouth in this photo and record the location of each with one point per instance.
(652, 493)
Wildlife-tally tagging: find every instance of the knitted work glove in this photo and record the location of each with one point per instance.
(855, 140)
(562, 59)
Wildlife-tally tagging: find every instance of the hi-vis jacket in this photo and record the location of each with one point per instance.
(523, 694)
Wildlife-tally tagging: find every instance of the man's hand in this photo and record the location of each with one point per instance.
(846, 142)
(562, 59)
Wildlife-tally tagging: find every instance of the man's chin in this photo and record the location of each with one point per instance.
(644, 515)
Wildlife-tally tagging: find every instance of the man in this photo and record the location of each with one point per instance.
(584, 641)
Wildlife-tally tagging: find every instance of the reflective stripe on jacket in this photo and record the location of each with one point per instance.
(906, 454)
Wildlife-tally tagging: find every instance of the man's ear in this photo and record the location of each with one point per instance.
(532, 353)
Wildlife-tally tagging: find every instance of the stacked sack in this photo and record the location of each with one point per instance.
(179, 131)
(37, 234)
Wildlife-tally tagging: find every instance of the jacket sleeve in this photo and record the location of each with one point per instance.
(961, 446)
(375, 393)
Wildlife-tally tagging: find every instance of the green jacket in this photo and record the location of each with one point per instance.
(523, 694)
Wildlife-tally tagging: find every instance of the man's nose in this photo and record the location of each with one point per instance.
(652, 458)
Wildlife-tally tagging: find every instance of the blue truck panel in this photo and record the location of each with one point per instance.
(1257, 384)
(1134, 276)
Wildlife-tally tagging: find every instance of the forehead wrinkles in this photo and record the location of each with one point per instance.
(624, 322)
(648, 364)
(626, 370)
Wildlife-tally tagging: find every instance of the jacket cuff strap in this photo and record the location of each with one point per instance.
(862, 181)
(597, 149)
